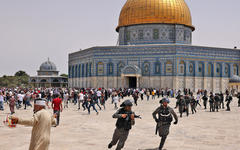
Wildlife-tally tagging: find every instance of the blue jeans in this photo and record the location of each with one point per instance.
(57, 112)
(94, 108)
(1, 105)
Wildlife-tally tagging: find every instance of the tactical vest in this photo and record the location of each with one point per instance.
(165, 115)
(124, 123)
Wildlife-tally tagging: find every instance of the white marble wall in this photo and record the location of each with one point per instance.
(216, 84)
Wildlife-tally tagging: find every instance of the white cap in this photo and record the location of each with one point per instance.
(40, 103)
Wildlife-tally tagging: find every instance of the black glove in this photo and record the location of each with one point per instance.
(175, 122)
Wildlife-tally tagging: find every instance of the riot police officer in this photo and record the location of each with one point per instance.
(211, 102)
(228, 100)
(125, 120)
(205, 99)
(193, 104)
(216, 101)
(181, 105)
(221, 100)
(187, 103)
(164, 120)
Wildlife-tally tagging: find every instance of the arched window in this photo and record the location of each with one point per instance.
(219, 70)
(90, 69)
(192, 68)
(55, 80)
(76, 71)
(82, 70)
(227, 70)
(201, 69)
(86, 69)
(79, 70)
(169, 67)
(210, 70)
(182, 67)
(33, 80)
(69, 72)
(100, 68)
(110, 68)
(43, 81)
(235, 69)
(146, 68)
(157, 68)
(120, 67)
(155, 34)
(72, 72)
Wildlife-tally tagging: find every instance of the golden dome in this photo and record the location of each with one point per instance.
(155, 11)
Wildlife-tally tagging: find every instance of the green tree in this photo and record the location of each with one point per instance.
(21, 73)
(64, 75)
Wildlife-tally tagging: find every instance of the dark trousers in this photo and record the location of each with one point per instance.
(187, 110)
(216, 104)
(93, 106)
(98, 106)
(135, 101)
(212, 107)
(1, 105)
(181, 107)
(221, 104)
(120, 136)
(228, 106)
(27, 103)
(57, 112)
(205, 104)
(162, 142)
(193, 108)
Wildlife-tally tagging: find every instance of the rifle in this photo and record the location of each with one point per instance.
(129, 116)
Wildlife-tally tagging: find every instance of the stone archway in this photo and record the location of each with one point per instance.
(131, 75)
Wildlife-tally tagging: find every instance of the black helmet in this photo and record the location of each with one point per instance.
(164, 100)
(126, 103)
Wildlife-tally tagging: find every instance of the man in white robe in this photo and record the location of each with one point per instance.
(41, 122)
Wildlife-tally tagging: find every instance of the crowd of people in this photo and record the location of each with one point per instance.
(87, 98)
(95, 99)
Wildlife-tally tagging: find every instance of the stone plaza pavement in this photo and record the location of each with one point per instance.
(80, 131)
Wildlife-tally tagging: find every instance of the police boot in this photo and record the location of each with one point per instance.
(110, 146)
(162, 142)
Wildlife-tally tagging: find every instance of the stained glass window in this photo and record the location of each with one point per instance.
(100, 68)
(128, 35)
(235, 69)
(155, 34)
(140, 34)
(157, 68)
(169, 67)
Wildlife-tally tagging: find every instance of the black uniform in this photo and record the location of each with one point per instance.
(216, 101)
(164, 120)
(228, 100)
(181, 105)
(238, 96)
(211, 102)
(187, 102)
(205, 100)
(221, 100)
(123, 126)
(193, 105)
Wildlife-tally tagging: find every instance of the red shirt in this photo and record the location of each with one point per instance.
(56, 103)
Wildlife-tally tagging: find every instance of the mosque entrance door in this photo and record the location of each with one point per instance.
(132, 82)
(131, 76)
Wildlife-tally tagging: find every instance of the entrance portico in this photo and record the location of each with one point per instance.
(131, 75)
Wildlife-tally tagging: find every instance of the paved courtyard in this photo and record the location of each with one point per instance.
(80, 131)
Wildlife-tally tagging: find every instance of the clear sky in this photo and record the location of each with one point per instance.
(31, 31)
